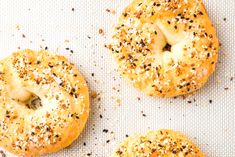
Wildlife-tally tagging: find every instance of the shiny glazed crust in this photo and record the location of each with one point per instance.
(161, 143)
(64, 108)
(165, 48)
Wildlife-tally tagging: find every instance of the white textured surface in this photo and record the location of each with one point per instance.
(51, 22)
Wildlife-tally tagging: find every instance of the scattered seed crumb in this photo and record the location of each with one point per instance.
(111, 11)
(101, 31)
(117, 100)
(73, 9)
(218, 81)
(105, 130)
(108, 46)
(94, 94)
(23, 35)
(101, 116)
(92, 74)
(18, 27)
(231, 79)
(210, 101)
(116, 88)
(138, 98)
(225, 19)
(66, 41)
(143, 114)
(226, 88)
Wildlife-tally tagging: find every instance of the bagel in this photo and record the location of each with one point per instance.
(165, 47)
(161, 143)
(44, 103)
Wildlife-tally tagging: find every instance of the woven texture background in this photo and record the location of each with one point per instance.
(123, 110)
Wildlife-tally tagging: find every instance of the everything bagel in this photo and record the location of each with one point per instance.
(165, 48)
(161, 143)
(44, 103)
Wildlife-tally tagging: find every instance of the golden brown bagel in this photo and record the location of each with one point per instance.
(161, 143)
(44, 103)
(165, 48)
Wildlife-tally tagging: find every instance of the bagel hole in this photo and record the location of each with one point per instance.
(27, 98)
(167, 47)
(34, 102)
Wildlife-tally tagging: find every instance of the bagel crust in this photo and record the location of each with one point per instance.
(161, 143)
(60, 116)
(165, 47)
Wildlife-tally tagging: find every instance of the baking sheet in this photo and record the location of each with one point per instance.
(85, 26)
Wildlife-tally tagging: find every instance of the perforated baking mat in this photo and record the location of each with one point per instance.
(79, 29)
